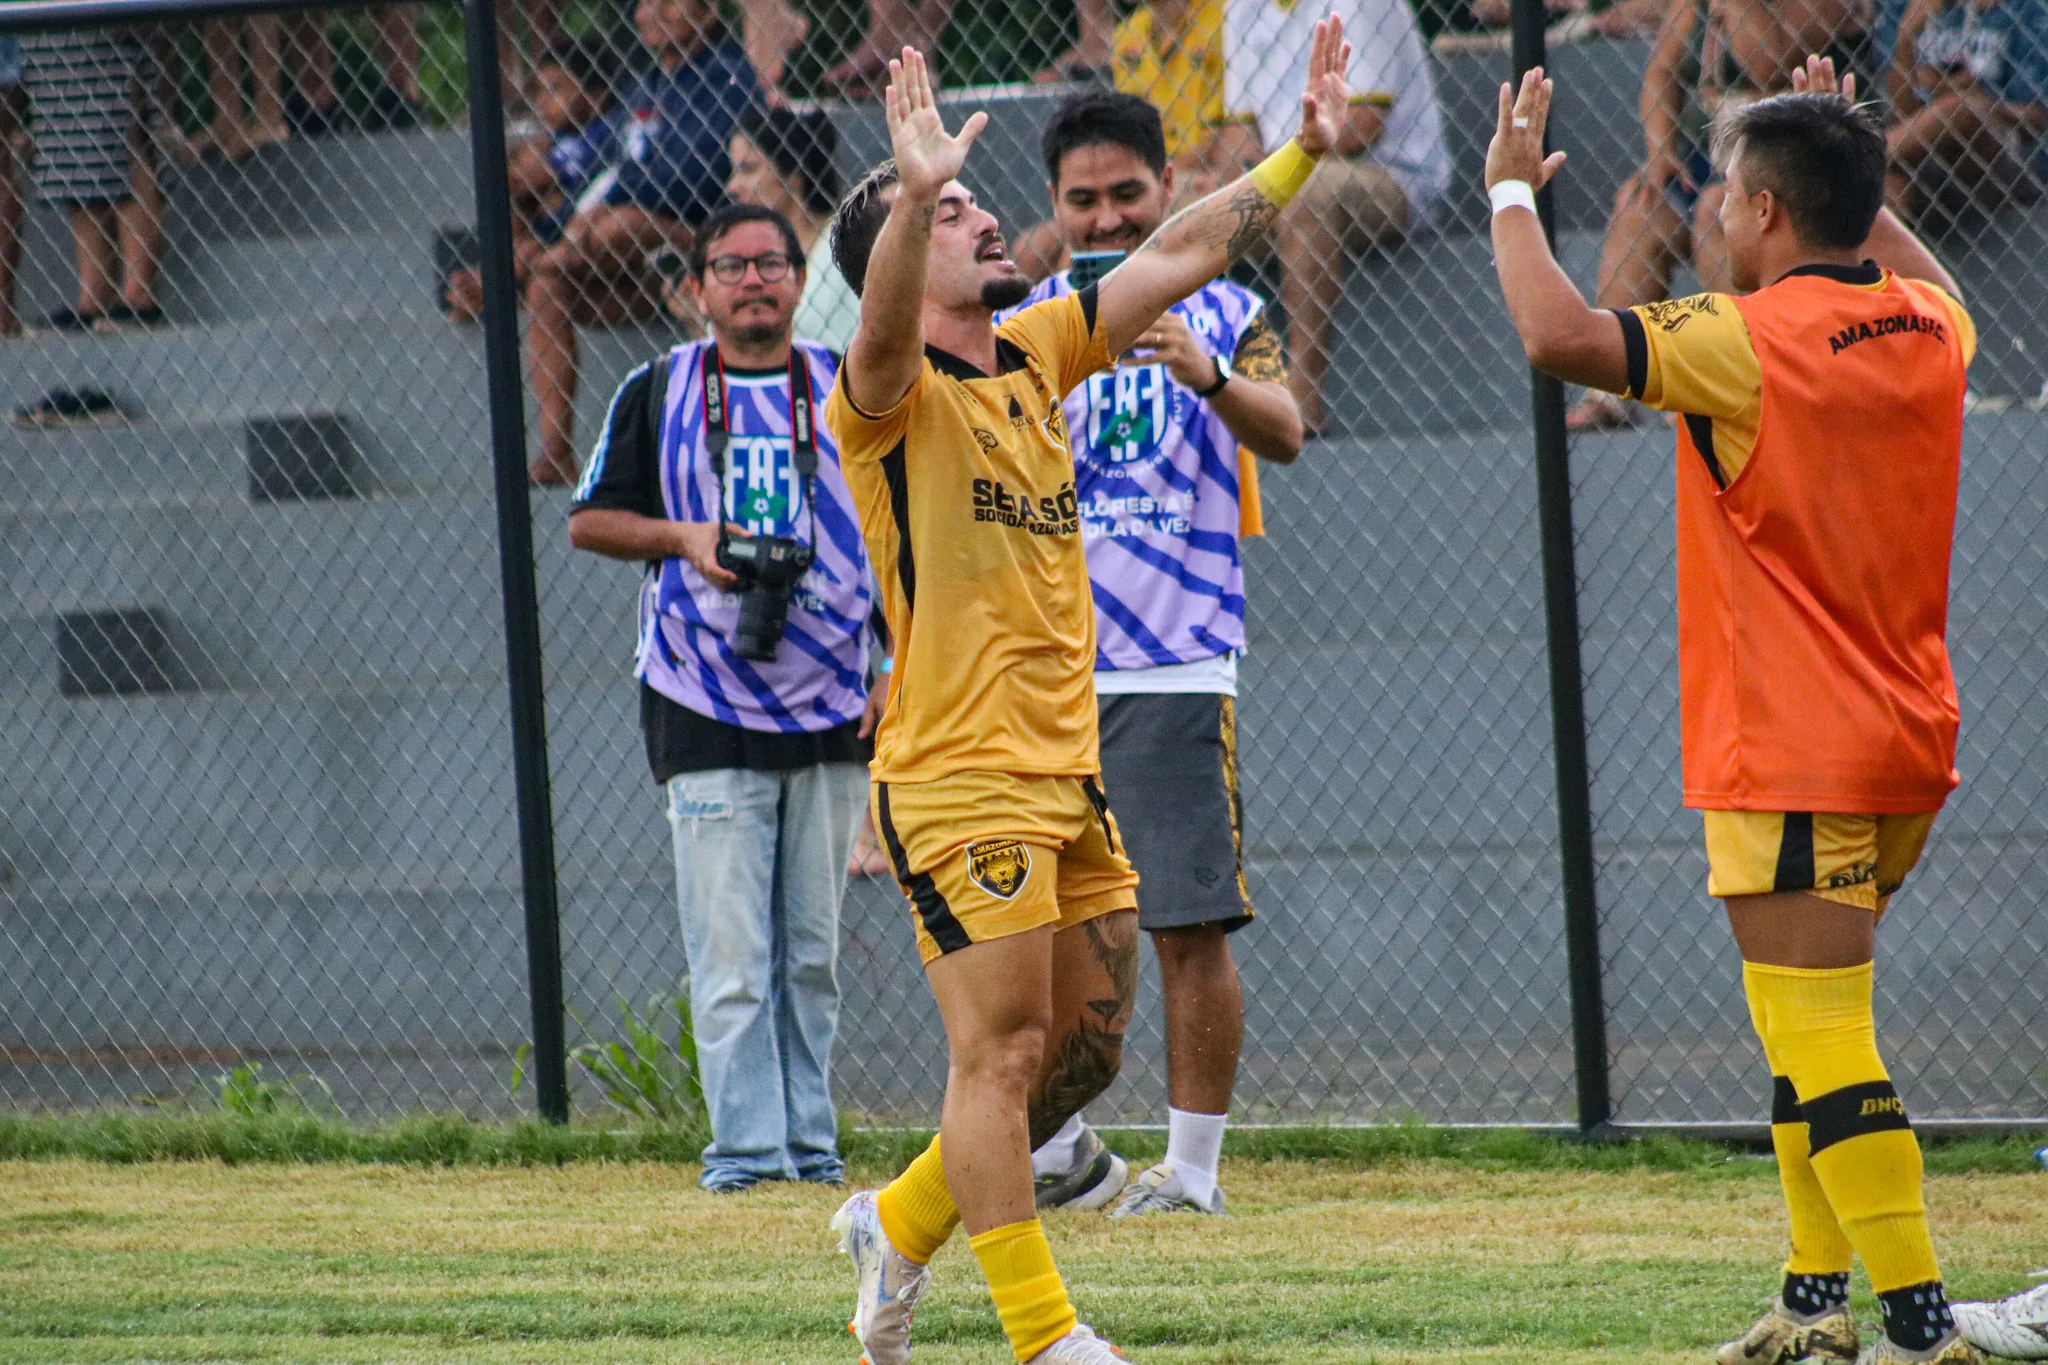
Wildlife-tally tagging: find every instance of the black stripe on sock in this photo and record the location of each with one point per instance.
(1917, 1316)
(1808, 1294)
(1852, 1111)
(1784, 1102)
(1795, 854)
(932, 910)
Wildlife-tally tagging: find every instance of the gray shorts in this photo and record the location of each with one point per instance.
(1169, 768)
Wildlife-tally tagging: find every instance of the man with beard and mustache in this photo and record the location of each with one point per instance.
(986, 789)
(1163, 459)
(760, 758)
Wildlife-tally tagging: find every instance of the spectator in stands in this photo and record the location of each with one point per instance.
(674, 125)
(314, 108)
(1711, 56)
(762, 759)
(1969, 93)
(549, 177)
(896, 24)
(238, 132)
(1226, 77)
(1390, 173)
(1629, 19)
(93, 112)
(13, 118)
(786, 161)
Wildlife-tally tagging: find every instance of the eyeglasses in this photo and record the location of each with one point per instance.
(772, 265)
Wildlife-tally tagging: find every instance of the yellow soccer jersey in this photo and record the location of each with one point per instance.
(966, 497)
(1698, 359)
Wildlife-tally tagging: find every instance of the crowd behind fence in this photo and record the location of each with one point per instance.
(260, 808)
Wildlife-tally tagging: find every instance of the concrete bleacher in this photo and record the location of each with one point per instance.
(301, 846)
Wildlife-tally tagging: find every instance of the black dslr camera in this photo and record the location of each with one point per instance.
(767, 568)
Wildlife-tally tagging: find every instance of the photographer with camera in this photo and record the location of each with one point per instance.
(754, 640)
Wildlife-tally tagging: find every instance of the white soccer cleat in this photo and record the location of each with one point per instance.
(1158, 1190)
(1079, 1347)
(889, 1284)
(1096, 1176)
(2015, 1327)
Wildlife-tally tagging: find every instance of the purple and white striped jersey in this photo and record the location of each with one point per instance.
(1156, 472)
(817, 679)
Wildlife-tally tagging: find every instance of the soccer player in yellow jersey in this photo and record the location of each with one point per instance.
(986, 794)
(1818, 455)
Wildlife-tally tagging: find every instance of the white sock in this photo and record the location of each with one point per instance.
(1058, 1152)
(1194, 1144)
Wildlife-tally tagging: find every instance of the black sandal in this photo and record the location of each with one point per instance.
(71, 320)
(70, 408)
(121, 316)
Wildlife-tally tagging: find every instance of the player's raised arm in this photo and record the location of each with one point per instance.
(887, 351)
(1197, 244)
(1560, 333)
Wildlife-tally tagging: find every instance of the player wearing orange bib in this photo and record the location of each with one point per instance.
(987, 798)
(1819, 443)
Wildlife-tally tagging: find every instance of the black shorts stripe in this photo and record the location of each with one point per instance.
(1101, 804)
(932, 911)
(1701, 429)
(1635, 350)
(1795, 854)
(898, 480)
(1785, 1102)
(1852, 1111)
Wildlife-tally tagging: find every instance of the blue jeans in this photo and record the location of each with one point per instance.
(760, 869)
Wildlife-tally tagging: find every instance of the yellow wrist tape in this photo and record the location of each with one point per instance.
(1280, 176)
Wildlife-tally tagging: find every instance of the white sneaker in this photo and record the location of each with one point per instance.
(2015, 1327)
(1096, 1176)
(1079, 1347)
(889, 1283)
(1159, 1190)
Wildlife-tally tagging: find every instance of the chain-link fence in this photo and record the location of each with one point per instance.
(260, 801)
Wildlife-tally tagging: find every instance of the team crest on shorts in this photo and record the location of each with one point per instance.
(999, 866)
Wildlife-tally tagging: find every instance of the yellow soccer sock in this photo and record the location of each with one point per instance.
(1861, 1146)
(1819, 1247)
(1030, 1299)
(916, 1207)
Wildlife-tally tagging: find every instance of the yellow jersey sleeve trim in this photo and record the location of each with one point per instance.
(1697, 357)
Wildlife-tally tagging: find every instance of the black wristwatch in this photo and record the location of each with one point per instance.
(1224, 374)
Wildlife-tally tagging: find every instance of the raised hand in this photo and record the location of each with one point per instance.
(1516, 152)
(1326, 99)
(927, 156)
(1817, 77)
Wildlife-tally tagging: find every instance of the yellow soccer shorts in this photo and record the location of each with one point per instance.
(1855, 860)
(984, 855)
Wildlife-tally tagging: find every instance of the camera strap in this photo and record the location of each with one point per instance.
(803, 437)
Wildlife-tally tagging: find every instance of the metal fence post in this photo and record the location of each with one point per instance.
(515, 566)
(1567, 682)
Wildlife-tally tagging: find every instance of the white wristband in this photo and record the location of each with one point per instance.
(1512, 194)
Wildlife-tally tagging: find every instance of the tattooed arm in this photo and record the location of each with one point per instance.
(1199, 243)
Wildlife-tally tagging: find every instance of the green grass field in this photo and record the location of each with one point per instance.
(1518, 1250)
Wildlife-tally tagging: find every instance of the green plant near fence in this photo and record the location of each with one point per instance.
(647, 1073)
